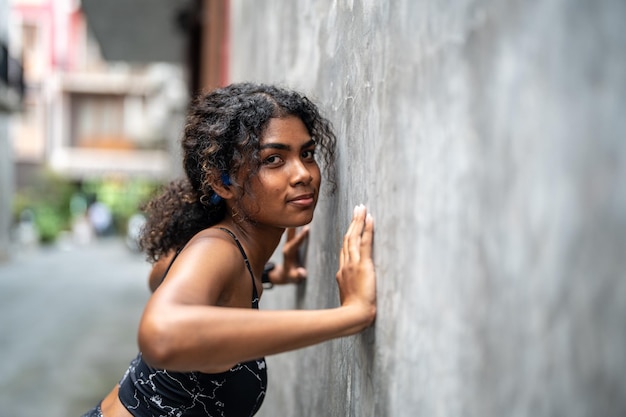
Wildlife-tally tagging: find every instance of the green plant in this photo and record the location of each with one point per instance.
(47, 197)
(122, 196)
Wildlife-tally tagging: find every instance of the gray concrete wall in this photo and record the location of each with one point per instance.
(488, 139)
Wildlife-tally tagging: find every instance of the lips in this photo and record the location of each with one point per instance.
(303, 199)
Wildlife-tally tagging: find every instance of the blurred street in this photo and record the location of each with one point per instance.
(68, 325)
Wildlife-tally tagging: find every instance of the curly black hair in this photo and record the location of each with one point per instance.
(221, 138)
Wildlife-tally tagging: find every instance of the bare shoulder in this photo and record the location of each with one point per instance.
(216, 249)
(204, 270)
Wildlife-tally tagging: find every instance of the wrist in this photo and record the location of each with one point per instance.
(356, 318)
(265, 277)
(361, 315)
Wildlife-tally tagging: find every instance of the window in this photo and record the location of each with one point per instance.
(97, 120)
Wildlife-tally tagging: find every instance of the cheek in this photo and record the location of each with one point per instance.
(263, 193)
(266, 184)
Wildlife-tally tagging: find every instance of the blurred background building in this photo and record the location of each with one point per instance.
(101, 105)
(82, 115)
(11, 91)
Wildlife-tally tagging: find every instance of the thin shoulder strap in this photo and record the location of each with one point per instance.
(170, 265)
(255, 294)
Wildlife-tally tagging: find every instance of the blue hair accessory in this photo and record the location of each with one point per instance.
(215, 199)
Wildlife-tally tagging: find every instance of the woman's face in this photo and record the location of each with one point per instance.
(285, 190)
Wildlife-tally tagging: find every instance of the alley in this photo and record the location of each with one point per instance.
(68, 325)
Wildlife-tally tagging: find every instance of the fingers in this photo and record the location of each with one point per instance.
(297, 239)
(352, 239)
(300, 274)
(350, 234)
(294, 240)
(367, 237)
(356, 276)
(291, 270)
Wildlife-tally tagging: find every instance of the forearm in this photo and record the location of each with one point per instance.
(189, 338)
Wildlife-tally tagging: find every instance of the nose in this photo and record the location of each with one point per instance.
(300, 174)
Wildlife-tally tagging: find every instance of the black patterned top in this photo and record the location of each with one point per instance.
(239, 392)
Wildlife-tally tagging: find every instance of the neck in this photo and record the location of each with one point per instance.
(259, 242)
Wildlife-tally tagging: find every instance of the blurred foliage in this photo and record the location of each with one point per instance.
(47, 198)
(122, 196)
(51, 199)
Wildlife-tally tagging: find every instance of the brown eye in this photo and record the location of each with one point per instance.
(308, 154)
(272, 160)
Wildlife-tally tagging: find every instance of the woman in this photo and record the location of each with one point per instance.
(250, 159)
(183, 224)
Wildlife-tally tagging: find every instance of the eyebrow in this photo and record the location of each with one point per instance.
(282, 146)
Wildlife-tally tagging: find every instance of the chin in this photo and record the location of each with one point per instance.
(303, 222)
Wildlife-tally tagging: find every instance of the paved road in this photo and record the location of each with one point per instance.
(67, 326)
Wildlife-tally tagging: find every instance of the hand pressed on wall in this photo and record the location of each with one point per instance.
(291, 271)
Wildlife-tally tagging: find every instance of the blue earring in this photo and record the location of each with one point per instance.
(225, 179)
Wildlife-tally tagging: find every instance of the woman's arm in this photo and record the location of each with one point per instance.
(185, 337)
(157, 273)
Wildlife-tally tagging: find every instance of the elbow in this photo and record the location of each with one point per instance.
(155, 343)
(165, 342)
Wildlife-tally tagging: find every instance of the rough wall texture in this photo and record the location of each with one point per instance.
(488, 139)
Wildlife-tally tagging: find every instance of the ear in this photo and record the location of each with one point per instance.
(222, 186)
